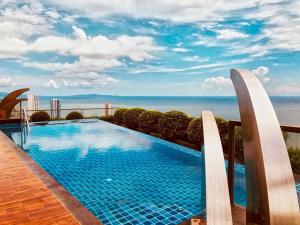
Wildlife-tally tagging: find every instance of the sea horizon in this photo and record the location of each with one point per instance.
(287, 107)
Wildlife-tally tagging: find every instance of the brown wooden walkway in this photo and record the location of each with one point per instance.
(24, 199)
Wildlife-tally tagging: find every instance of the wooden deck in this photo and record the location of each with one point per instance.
(238, 216)
(24, 199)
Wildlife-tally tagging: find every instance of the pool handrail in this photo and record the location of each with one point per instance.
(270, 185)
(218, 207)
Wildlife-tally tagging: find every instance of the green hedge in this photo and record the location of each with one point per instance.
(148, 121)
(131, 117)
(239, 149)
(294, 155)
(195, 132)
(74, 116)
(118, 115)
(40, 116)
(173, 125)
(108, 118)
(223, 130)
(195, 135)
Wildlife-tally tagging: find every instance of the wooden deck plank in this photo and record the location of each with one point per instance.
(24, 199)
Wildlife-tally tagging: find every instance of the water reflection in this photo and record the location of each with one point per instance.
(83, 137)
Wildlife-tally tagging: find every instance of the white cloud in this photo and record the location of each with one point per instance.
(147, 31)
(20, 21)
(51, 84)
(6, 82)
(175, 11)
(254, 51)
(154, 23)
(20, 24)
(230, 34)
(24, 20)
(180, 50)
(86, 80)
(99, 82)
(195, 58)
(53, 14)
(150, 69)
(79, 33)
(174, 70)
(261, 73)
(15, 29)
(288, 89)
(281, 30)
(216, 83)
(80, 80)
(136, 48)
(12, 48)
(81, 65)
(95, 54)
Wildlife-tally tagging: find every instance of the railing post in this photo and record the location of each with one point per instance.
(231, 155)
(107, 109)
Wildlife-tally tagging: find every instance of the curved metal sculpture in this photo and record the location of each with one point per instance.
(271, 193)
(9, 108)
(12, 96)
(10, 101)
(218, 208)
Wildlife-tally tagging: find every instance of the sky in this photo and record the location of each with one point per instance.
(148, 47)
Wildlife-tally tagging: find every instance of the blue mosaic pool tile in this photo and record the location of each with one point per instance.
(119, 175)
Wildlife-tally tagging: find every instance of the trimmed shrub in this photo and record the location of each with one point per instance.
(40, 116)
(239, 148)
(285, 135)
(195, 132)
(173, 125)
(223, 130)
(118, 115)
(294, 155)
(107, 118)
(148, 121)
(131, 117)
(74, 116)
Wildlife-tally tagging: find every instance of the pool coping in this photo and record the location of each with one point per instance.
(82, 214)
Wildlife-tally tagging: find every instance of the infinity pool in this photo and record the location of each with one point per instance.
(122, 176)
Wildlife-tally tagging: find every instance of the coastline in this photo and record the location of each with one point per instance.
(286, 107)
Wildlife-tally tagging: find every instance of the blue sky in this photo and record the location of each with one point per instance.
(143, 47)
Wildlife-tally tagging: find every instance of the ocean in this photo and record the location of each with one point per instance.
(287, 108)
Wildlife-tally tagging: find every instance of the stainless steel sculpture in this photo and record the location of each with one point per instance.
(218, 208)
(271, 193)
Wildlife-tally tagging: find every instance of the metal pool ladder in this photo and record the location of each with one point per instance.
(25, 119)
(25, 128)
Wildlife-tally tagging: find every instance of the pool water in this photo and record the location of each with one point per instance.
(122, 176)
